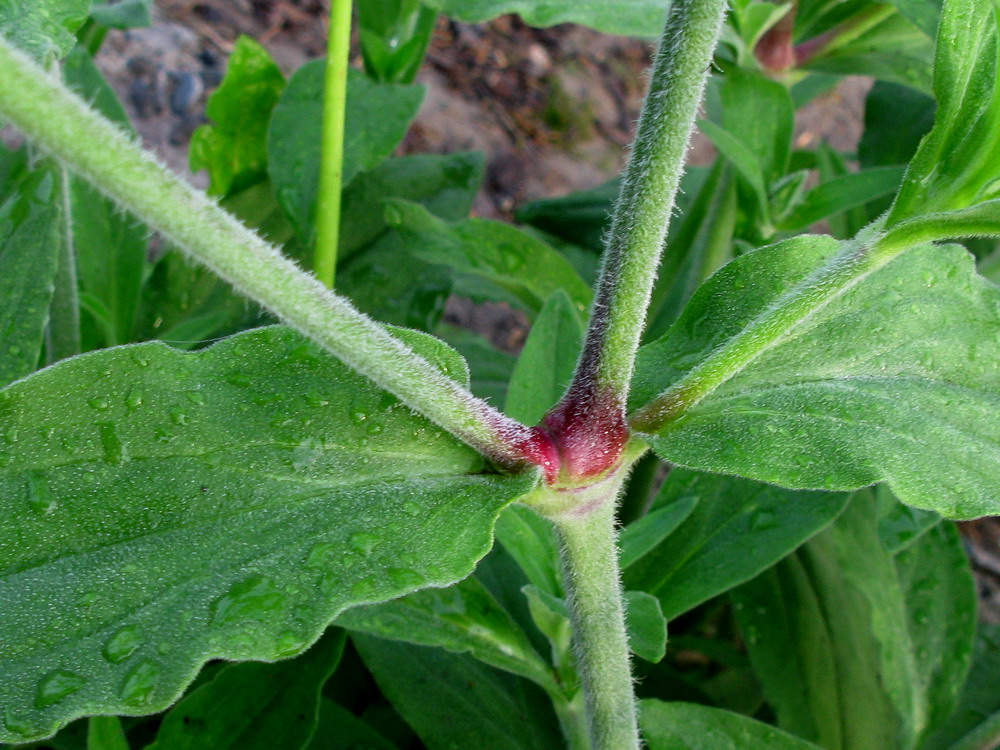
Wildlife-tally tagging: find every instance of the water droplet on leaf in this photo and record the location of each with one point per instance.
(139, 683)
(122, 644)
(254, 598)
(57, 685)
(364, 542)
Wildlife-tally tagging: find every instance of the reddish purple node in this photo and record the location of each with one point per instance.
(589, 434)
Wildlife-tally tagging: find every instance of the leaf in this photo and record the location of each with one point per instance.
(547, 360)
(234, 148)
(896, 118)
(644, 534)
(955, 165)
(464, 618)
(894, 50)
(647, 628)
(688, 726)
(631, 17)
(43, 28)
(841, 194)
(258, 488)
(455, 701)
(394, 38)
(339, 729)
(759, 112)
(254, 706)
(445, 185)
(735, 529)
(106, 733)
(377, 117)
(975, 723)
(110, 246)
(743, 159)
(897, 379)
(123, 14)
(582, 217)
(857, 647)
(899, 525)
(531, 540)
(922, 13)
(30, 236)
(491, 368)
(498, 253)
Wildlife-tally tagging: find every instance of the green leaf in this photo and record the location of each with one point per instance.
(498, 253)
(841, 194)
(759, 112)
(254, 706)
(894, 50)
(30, 236)
(394, 36)
(234, 148)
(377, 117)
(688, 726)
(43, 28)
(464, 618)
(647, 627)
(897, 379)
(632, 17)
(236, 499)
(744, 160)
(106, 733)
(922, 13)
(643, 535)
(975, 723)
(110, 246)
(123, 14)
(581, 218)
(445, 185)
(339, 729)
(531, 540)
(547, 360)
(455, 701)
(736, 529)
(853, 643)
(955, 165)
(491, 368)
(899, 525)
(896, 118)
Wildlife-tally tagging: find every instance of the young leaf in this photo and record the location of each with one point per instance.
(897, 378)
(43, 28)
(631, 17)
(30, 230)
(736, 529)
(688, 726)
(501, 254)
(464, 618)
(455, 701)
(546, 364)
(254, 706)
(110, 247)
(258, 488)
(377, 117)
(853, 643)
(234, 148)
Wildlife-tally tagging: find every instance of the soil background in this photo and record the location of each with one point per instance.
(554, 110)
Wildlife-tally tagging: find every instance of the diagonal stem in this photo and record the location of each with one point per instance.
(90, 145)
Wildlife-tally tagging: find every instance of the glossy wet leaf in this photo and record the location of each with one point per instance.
(453, 700)
(254, 706)
(633, 17)
(464, 618)
(233, 148)
(110, 246)
(688, 726)
(234, 500)
(736, 529)
(490, 251)
(43, 28)
(857, 647)
(30, 237)
(896, 380)
(377, 117)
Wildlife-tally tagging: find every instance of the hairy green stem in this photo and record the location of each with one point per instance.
(589, 556)
(63, 334)
(646, 201)
(105, 156)
(332, 158)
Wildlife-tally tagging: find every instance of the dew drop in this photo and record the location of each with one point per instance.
(364, 589)
(122, 644)
(134, 399)
(374, 428)
(111, 444)
(55, 686)
(40, 497)
(140, 360)
(359, 416)
(88, 599)
(139, 683)
(20, 725)
(763, 519)
(99, 403)
(195, 397)
(405, 578)
(239, 380)
(13, 350)
(254, 598)
(288, 643)
(411, 508)
(321, 555)
(178, 416)
(10, 435)
(364, 542)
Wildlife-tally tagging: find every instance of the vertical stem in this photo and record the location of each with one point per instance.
(589, 557)
(332, 160)
(644, 206)
(63, 335)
